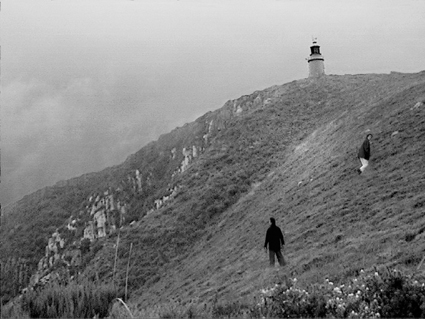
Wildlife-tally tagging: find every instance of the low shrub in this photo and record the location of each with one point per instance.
(388, 293)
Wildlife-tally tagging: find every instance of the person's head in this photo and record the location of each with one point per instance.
(272, 221)
(369, 136)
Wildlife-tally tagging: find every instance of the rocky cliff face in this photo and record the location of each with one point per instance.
(168, 196)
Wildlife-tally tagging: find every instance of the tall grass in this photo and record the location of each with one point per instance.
(75, 300)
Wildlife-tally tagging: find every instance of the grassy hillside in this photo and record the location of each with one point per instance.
(335, 221)
(298, 155)
(288, 151)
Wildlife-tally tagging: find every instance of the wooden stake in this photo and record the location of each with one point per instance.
(126, 275)
(116, 256)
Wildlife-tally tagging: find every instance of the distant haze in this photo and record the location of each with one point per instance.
(87, 83)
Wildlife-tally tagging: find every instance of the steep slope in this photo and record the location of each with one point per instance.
(197, 201)
(308, 133)
(335, 221)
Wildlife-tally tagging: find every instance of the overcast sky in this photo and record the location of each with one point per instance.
(87, 83)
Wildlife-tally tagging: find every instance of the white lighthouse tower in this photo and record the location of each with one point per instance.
(316, 65)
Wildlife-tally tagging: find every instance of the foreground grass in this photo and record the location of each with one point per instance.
(376, 293)
(387, 293)
(74, 300)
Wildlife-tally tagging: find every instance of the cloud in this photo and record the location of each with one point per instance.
(52, 134)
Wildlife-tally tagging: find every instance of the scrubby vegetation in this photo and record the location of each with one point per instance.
(383, 293)
(75, 300)
(14, 276)
(378, 294)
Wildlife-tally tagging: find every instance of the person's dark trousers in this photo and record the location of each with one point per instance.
(278, 255)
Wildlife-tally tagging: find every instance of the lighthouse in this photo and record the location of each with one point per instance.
(316, 65)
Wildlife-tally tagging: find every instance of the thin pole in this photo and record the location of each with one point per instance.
(126, 275)
(116, 256)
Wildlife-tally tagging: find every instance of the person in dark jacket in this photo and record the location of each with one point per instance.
(274, 239)
(364, 154)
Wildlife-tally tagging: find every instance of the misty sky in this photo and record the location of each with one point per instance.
(87, 83)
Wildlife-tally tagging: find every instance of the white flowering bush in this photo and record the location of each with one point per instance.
(387, 293)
